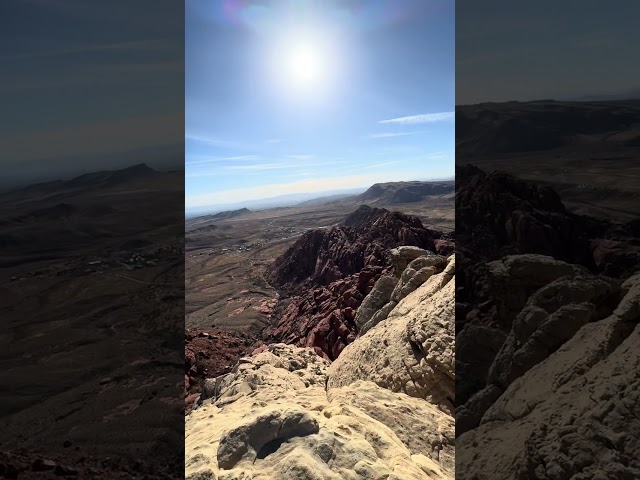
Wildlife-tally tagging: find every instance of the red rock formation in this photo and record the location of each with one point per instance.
(209, 353)
(321, 257)
(329, 272)
(323, 317)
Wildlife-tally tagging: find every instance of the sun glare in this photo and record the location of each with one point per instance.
(304, 66)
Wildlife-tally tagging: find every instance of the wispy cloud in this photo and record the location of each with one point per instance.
(378, 165)
(204, 160)
(422, 118)
(207, 159)
(358, 166)
(300, 157)
(243, 157)
(213, 141)
(391, 135)
(262, 166)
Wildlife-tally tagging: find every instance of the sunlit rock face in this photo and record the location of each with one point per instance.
(287, 412)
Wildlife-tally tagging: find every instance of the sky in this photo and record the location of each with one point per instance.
(300, 96)
(547, 49)
(87, 85)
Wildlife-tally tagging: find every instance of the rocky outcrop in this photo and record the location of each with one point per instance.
(209, 353)
(272, 418)
(547, 319)
(501, 221)
(417, 339)
(379, 296)
(562, 392)
(324, 317)
(328, 274)
(321, 257)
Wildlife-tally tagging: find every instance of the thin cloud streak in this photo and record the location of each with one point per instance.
(243, 157)
(214, 141)
(422, 118)
(266, 166)
(211, 159)
(391, 135)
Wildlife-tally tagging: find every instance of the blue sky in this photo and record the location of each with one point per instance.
(302, 96)
(547, 49)
(87, 85)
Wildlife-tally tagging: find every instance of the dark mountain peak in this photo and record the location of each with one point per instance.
(138, 168)
(322, 256)
(364, 214)
(112, 177)
(229, 214)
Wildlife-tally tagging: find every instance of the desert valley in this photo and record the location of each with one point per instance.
(91, 332)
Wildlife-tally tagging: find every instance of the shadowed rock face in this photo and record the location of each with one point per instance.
(500, 215)
(561, 392)
(546, 336)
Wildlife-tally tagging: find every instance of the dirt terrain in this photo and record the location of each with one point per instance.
(91, 339)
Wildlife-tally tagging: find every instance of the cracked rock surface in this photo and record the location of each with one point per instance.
(413, 350)
(562, 397)
(272, 417)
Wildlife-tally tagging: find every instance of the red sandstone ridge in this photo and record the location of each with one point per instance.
(323, 317)
(321, 257)
(209, 353)
(329, 272)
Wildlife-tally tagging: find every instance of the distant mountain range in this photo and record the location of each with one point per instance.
(379, 194)
(490, 129)
(272, 202)
(226, 215)
(395, 193)
(101, 179)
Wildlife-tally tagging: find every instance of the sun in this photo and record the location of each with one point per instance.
(302, 65)
(305, 66)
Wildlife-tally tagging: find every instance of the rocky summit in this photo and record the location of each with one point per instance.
(547, 336)
(323, 256)
(382, 410)
(330, 273)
